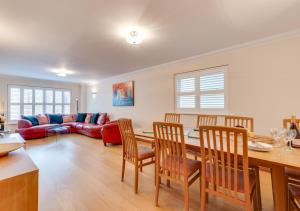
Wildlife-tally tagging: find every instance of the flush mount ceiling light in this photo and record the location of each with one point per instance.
(62, 72)
(133, 35)
(134, 38)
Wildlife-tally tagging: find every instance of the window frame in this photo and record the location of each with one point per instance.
(33, 103)
(197, 74)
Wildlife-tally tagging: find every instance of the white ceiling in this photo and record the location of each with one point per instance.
(83, 35)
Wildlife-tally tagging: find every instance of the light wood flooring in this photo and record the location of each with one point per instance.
(78, 173)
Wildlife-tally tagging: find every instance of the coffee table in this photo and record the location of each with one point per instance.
(57, 130)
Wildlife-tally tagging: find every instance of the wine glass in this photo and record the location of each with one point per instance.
(276, 136)
(291, 134)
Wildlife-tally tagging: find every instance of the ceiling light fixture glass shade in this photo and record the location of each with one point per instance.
(134, 37)
(62, 72)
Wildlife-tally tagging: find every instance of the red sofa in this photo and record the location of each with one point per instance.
(27, 131)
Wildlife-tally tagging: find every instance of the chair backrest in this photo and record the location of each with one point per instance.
(204, 119)
(226, 149)
(287, 123)
(128, 140)
(240, 121)
(172, 117)
(170, 148)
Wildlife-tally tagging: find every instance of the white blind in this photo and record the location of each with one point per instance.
(212, 82)
(201, 90)
(24, 100)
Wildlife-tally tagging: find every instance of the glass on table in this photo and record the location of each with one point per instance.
(278, 134)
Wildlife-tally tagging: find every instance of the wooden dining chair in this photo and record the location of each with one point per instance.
(204, 119)
(287, 123)
(171, 161)
(132, 152)
(226, 173)
(239, 121)
(293, 197)
(292, 176)
(172, 117)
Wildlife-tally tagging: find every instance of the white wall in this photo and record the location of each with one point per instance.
(12, 80)
(263, 83)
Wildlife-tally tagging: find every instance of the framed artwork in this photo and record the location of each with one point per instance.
(123, 94)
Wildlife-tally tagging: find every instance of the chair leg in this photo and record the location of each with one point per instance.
(258, 188)
(157, 189)
(186, 195)
(168, 181)
(255, 200)
(203, 194)
(123, 170)
(136, 178)
(141, 166)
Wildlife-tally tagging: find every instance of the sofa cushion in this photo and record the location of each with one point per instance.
(88, 118)
(94, 118)
(81, 117)
(67, 118)
(71, 124)
(32, 119)
(55, 118)
(42, 119)
(102, 118)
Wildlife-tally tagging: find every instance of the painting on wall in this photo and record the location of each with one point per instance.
(123, 94)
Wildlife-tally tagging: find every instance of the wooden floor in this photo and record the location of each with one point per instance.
(78, 173)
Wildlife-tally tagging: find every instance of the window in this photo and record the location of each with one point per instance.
(35, 100)
(201, 91)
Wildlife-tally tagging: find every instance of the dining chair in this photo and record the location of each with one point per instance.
(171, 161)
(293, 197)
(240, 121)
(132, 152)
(172, 117)
(287, 123)
(292, 176)
(226, 173)
(204, 119)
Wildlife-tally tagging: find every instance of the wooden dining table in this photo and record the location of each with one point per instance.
(276, 160)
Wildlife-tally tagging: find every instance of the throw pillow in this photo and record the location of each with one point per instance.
(88, 118)
(42, 119)
(81, 117)
(32, 119)
(68, 118)
(55, 118)
(102, 118)
(94, 118)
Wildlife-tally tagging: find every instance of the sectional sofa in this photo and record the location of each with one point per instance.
(110, 130)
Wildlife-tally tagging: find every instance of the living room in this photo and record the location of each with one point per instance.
(132, 105)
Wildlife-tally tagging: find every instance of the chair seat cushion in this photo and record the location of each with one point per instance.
(240, 176)
(192, 165)
(145, 152)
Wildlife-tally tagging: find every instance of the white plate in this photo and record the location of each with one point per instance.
(259, 146)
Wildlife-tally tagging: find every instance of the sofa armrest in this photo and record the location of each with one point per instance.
(111, 134)
(23, 123)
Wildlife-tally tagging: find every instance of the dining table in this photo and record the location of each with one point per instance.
(277, 159)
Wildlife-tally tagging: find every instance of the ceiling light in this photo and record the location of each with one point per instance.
(134, 35)
(134, 38)
(62, 72)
